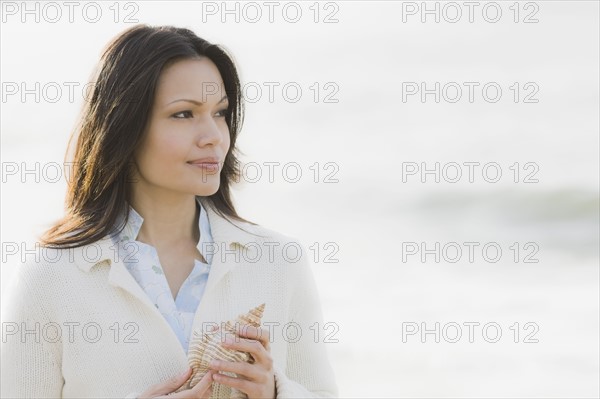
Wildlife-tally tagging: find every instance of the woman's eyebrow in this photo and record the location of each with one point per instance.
(199, 103)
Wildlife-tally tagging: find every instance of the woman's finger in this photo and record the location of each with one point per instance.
(260, 334)
(203, 387)
(255, 348)
(243, 385)
(170, 385)
(201, 390)
(242, 369)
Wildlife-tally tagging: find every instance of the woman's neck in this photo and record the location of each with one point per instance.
(168, 219)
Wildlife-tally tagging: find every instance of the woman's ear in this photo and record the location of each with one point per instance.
(133, 175)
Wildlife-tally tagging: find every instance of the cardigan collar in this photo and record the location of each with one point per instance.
(225, 234)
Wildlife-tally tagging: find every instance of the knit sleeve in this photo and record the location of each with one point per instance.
(30, 349)
(308, 372)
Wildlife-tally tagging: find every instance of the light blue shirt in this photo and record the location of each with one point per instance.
(144, 265)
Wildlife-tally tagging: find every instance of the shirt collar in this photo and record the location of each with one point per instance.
(224, 232)
(135, 221)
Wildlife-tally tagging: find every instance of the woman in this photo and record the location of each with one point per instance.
(151, 247)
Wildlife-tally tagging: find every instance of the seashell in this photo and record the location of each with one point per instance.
(205, 347)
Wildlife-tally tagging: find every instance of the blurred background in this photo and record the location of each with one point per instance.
(385, 199)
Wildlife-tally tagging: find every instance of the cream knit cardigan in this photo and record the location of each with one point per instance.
(75, 324)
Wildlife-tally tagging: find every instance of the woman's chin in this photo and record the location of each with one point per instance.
(206, 191)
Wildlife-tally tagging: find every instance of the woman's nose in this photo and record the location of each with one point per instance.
(209, 133)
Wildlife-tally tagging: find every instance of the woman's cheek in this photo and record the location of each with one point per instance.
(173, 147)
(161, 157)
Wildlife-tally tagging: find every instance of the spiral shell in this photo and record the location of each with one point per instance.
(204, 347)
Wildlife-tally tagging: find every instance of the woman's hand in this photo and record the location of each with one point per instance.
(202, 389)
(256, 379)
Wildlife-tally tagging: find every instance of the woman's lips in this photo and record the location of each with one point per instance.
(207, 166)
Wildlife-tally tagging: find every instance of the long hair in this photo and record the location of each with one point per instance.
(113, 121)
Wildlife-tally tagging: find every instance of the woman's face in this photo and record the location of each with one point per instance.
(186, 125)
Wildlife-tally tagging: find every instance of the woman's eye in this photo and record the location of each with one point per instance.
(222, 113)
(185, 114)
(188, 114)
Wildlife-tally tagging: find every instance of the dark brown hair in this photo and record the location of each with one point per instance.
(113, 121)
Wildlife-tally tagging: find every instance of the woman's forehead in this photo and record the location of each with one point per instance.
(195, 79)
